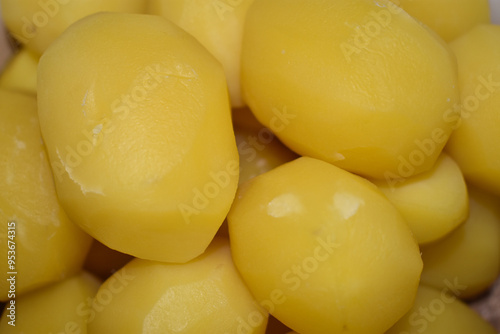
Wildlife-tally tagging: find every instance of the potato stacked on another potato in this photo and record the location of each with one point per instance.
(129, 137)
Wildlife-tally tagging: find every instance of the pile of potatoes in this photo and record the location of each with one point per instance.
(249, 166)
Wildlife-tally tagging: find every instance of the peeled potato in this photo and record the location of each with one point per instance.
(218, 25)
(439, 311)
(35, 234)
(448, 18)
(433, 203)
(470, 256)
(205, 295)
(20, 73)
(136, 119)
(475, 143)
(36, 24)
(358, 83)
(323, 250)
(57, 308)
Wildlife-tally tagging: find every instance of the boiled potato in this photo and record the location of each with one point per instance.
(205, 295)
(359, 83)
(448, 18)
(218, 25)
(259, 151)
(433, 203)
(36, 24)
(439, 311)
(20, 73)
(57, 308)
(323, 250)
(37, 240)
(469, 258)
(475, 143)
(141, 146)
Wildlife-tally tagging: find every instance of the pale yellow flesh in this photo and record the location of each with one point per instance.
(63, 307)
(205, 295)
(433, 203)
(471, 254)
(141, 146)
(371, 104)
(44, 244)
(218, 25)
(20, 73)
(36, 24)
(307, 235)
(476, 141)
(448, 18)
(438, 311)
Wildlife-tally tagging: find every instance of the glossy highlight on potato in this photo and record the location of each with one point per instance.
(307, 235)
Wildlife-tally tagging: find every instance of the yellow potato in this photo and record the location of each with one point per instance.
(142, 144)
(470, 256)
(448, 18)
(37, 23)
(475, 143)
(439, 311)
(433, 203)
(323, 250)
(20, 73)
(205, 295)
(38, 243)
(218, 25)
(260, 151)
(57, 308)
(358, 83)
